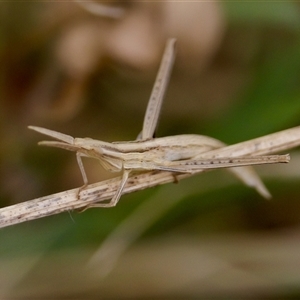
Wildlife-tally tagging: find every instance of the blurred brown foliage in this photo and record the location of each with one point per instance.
(69, 69)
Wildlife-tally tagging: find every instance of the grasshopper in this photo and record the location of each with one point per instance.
(177, 154)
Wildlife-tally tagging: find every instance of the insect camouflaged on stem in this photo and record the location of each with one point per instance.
(177, 154)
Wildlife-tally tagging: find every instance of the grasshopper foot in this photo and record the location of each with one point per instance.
(80, 190)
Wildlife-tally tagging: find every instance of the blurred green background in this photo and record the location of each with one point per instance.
(236, 77)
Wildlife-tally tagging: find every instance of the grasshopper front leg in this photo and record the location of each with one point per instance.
(83, 173)
(118, 194)
(82, 170)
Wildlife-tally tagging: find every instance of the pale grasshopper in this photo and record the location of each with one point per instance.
(176, 154)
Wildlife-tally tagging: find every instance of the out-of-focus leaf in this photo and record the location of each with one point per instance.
(270, 104)
(285, 13)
